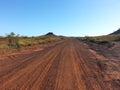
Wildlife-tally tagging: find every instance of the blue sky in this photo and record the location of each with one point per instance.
(63, 17)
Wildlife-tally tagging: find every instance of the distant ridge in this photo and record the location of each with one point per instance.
(116, 32)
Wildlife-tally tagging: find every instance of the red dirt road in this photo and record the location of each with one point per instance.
(65, 66)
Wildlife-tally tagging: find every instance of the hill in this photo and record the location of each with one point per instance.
(116, 32)
(50, 34)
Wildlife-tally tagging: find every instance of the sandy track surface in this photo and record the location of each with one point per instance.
(65, 66)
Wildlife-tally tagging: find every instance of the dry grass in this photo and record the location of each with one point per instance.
(17, 42)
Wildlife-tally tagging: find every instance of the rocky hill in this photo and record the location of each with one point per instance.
(50, 34)
(116, 32)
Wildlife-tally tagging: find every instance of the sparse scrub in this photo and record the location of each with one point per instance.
(16, 41)
(24, 42)
(108, 39)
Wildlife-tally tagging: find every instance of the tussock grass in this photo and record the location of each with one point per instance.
(4, 46)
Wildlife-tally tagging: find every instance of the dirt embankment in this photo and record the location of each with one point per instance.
(111, 63)
(68, 65)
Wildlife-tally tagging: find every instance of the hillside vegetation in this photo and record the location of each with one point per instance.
(108, 39)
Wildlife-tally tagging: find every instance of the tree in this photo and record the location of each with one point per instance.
(13, 40)
(12, 34)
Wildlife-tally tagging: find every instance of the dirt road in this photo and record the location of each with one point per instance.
(65, 66)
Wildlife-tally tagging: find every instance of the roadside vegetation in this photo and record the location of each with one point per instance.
(16, 41)
(108, 39)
